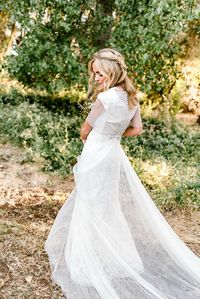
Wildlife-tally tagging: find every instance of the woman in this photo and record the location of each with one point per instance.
(109, 240)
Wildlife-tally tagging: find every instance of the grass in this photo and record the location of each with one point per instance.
(24, 264)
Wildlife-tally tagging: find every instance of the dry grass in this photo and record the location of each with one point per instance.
(30, 201)
(24, 228)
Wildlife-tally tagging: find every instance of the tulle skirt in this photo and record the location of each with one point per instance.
(110, 241)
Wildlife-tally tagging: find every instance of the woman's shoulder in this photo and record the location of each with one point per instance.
(107, 92)
(112, 93)
(106, 96)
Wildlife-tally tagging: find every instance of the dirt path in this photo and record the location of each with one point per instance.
(29, 202)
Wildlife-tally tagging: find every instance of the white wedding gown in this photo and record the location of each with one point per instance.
(109, 240)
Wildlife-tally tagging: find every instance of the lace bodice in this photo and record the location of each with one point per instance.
(110, 114)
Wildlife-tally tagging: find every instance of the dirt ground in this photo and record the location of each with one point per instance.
(29, 201)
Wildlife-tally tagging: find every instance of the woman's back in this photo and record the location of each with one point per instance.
(110, 114)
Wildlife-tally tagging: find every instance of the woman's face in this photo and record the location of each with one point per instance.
(99, 76)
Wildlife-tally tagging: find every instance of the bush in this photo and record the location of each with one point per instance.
(59, 39)
(167, 159)
(67, 104)
(54, 136)
(172, 141)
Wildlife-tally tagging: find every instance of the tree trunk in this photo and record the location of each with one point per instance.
(11, 38)
(6, 41)
(107, 7)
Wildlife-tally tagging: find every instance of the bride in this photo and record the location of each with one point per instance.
(109, 240)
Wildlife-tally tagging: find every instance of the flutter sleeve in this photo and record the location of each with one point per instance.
(136, 121)
(97, 108)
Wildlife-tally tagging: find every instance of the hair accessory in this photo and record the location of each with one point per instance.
(111, 55)
(119, 62)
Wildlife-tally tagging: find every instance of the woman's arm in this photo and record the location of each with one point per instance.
(85, 130)
(96, 110)
(135, 125)
(130, 131)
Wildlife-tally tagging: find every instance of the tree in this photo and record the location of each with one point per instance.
(147, 33)
(5, 41)
(61, 37)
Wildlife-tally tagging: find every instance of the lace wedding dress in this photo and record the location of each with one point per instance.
(109, 240)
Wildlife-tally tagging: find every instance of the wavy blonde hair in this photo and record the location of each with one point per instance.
(111, 64)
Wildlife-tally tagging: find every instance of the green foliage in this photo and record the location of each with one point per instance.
(186, 91)
(167, 159)
(177, 95)
(52, 136)
(57, 43)
(68, 105)
(171, 141)
(60, 38)
(187, 191)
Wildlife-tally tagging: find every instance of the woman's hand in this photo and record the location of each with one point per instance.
(130, 131)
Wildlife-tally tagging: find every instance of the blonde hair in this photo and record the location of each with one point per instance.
(111, 64)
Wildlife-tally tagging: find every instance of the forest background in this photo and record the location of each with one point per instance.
(45, 49)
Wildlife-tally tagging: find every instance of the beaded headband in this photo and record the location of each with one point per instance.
(117, 60)
(120, 63)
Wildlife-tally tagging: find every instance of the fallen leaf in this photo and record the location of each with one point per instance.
(28, 278)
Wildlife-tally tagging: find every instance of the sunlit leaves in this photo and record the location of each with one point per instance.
(147, 35)
(60, 37)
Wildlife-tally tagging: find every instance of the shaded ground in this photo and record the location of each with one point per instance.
(29, 202)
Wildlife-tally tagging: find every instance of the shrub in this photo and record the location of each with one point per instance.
(53, 136)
